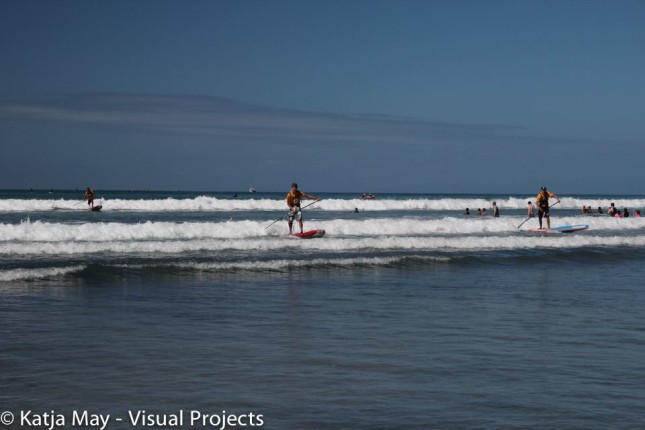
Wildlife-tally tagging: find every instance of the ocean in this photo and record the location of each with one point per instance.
(407, 315)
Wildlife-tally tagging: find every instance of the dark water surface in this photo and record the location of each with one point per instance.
(441, 345)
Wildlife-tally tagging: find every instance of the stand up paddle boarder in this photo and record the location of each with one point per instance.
(542, 202)
(89, 196)
(293, 201)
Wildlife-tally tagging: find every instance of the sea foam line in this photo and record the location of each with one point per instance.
(110, 232)
(283, 264)
(39, 273)
(205, 203)
(332, 244)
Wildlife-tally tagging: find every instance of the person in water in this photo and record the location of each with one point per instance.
(293, 201)
(637, 213)
(611, 210)
(495, 210)
(531, 210)
(467, 211)
(542, 202)
(479, 211)
(599, 210)
(89, 196)
(484, 211)
(625, 213)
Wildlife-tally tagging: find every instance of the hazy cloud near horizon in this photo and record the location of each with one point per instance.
(126, 140)
(219, 116)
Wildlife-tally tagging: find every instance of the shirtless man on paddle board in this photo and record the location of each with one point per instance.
(293, 201)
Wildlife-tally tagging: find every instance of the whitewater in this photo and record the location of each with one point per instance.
(402, 203)
(45, 238)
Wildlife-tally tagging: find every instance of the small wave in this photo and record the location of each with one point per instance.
(284, 264)
(112, 232)
(40, 273)
(330, 244)
(204, 203)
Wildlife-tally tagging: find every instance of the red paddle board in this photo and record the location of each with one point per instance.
(309, 234)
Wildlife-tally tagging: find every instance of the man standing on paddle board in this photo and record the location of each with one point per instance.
(542, 202)
(293, 201)
(89, 196)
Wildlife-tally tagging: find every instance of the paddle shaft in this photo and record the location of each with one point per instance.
(533, 217)
(84, 200)
(281, 218)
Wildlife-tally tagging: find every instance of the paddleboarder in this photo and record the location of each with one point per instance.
(542, 202)
(293, 199)
(89, 196)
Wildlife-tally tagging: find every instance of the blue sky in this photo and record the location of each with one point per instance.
(418, 96)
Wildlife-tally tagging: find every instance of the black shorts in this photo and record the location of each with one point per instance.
(544, 210)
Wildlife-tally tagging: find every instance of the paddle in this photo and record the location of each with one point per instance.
(82, 201)
(281, 218)
(533, 217)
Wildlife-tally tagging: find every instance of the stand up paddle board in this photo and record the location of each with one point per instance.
(311, 234)
(561, 229)
(96, 208)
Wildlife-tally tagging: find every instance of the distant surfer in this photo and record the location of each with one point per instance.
(495, 210)
(542, 202)
(89, 196)
(531, 213)
(293, 201)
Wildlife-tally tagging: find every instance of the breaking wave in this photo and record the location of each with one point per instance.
(38, 231)
(205, 203)
(24, 274)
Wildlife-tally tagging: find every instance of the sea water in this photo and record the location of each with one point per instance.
(407, 314)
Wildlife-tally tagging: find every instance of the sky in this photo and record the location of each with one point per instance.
(356, 96)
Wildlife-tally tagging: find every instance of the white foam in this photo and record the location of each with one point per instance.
(102, 232)
(330, 244)
(283, 264)
(148, 231)
(205, 203)
(42, 273)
